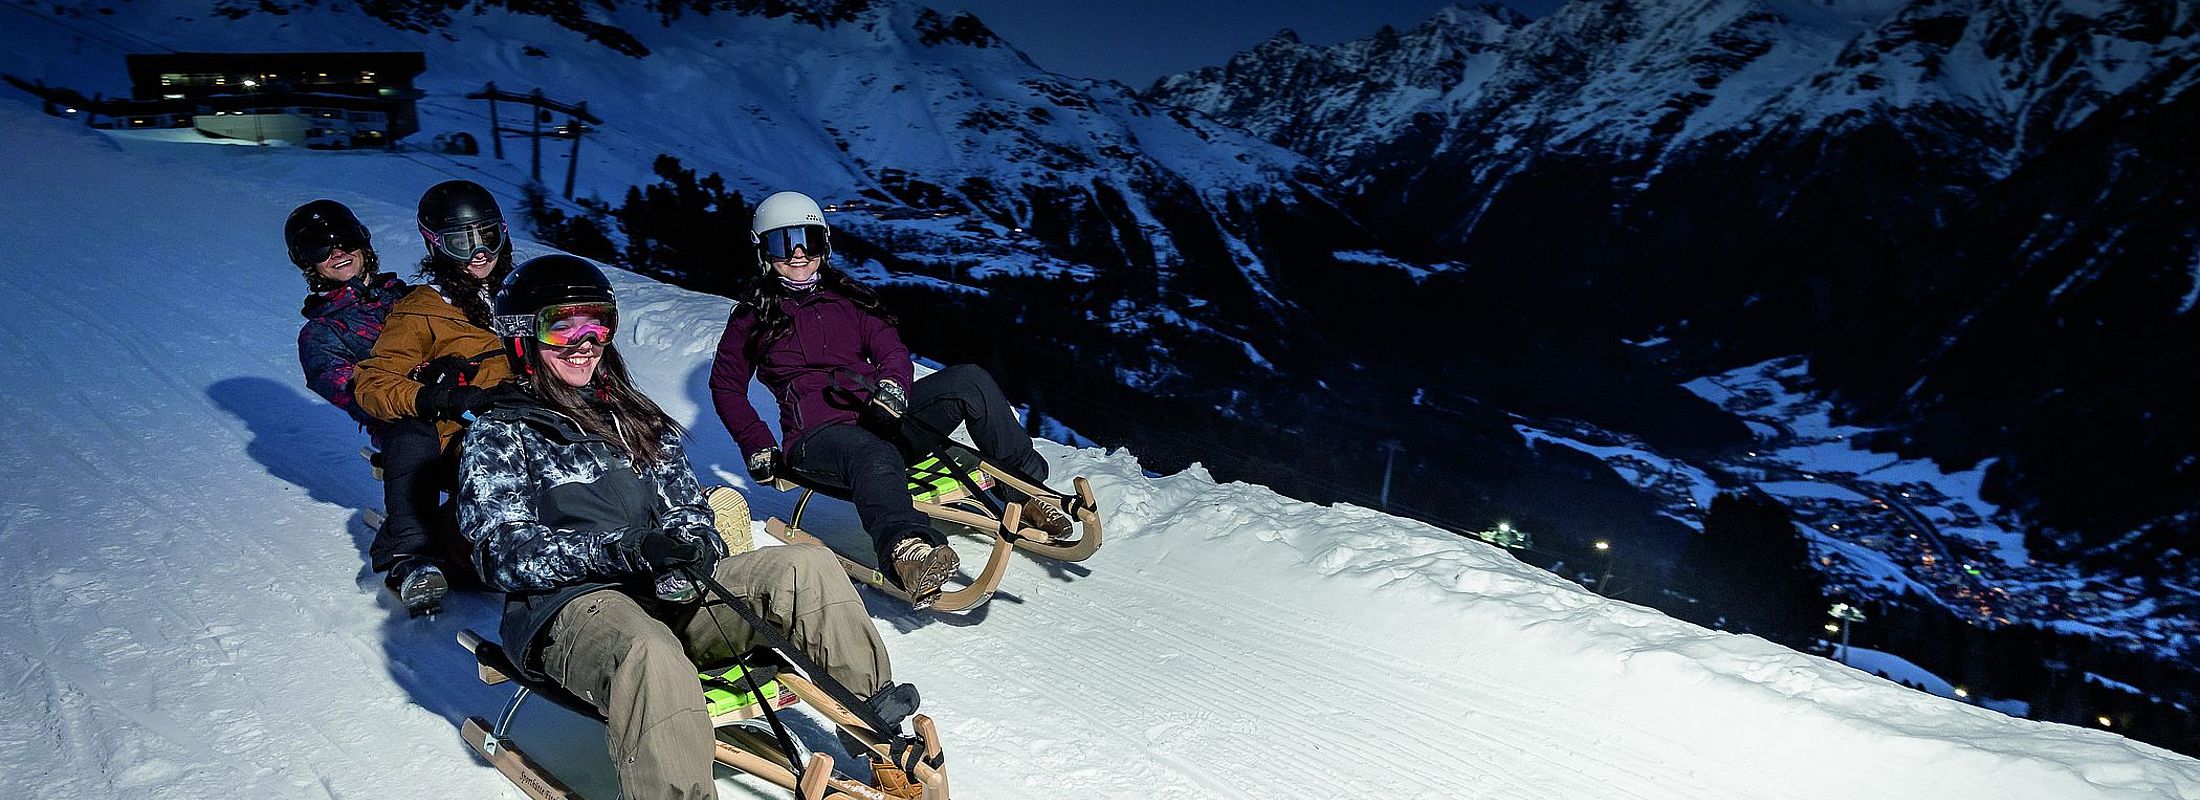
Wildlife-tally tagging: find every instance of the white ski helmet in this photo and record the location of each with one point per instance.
(787, 220)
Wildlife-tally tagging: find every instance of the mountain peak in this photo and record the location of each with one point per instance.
(963, 28)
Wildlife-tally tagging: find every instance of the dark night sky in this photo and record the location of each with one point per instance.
(1137, 41)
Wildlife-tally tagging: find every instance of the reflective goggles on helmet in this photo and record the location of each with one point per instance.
(462, 242)
(778, 244)
(569, 324)
(308, 249)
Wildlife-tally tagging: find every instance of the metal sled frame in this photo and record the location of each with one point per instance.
(819, 782)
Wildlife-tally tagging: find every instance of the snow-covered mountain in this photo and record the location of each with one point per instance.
(1334, 103)
(965, 150)
(1854, 180)
(190, 614)
(1648, 81)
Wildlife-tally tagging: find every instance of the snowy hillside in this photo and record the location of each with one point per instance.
(190, 617)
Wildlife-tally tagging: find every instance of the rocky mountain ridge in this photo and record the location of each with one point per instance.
(1856, 180)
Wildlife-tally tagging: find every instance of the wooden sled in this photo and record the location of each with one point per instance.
(924, 779)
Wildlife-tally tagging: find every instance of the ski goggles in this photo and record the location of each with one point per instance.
(463, 242)
(569, 324)
(778, 244)
(309, 249)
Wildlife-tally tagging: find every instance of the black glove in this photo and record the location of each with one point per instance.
(890, 395)
(448, 369)
(656, 551)
(447, 401)
(764, 466)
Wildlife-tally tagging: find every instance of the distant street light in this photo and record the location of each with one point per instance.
(1848, 615)
(1605, 548)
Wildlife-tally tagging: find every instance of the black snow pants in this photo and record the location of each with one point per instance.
(871, 461)
(418, 523)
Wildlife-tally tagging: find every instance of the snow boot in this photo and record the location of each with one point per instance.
(923, 568)
(419, 586)
(1045, 514)
(893, 703)
(1048, 517)
(730, 515)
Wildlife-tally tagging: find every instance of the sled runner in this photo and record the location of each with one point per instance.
(953, 486)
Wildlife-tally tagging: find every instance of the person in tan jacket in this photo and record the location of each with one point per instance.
(428, 375)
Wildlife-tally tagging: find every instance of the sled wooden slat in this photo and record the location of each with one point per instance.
(932, 778)
(515, 765)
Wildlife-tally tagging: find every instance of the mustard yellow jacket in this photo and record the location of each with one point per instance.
(423, 327)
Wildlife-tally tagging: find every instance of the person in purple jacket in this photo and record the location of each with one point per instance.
(807, 319)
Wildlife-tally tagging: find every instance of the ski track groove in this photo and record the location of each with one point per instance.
(1274, 627)
(1157, 515)
(1396, 766)
(1267, 619)
(1167, 702)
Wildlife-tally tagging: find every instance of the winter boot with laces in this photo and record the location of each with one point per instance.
(1046, 514)
(923, 568)
(419, 585)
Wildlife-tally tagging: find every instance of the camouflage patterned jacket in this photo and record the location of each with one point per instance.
(542, 502)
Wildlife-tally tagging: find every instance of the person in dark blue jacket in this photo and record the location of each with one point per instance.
(350, 299)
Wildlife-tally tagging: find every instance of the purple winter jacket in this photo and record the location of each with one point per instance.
(829, 332)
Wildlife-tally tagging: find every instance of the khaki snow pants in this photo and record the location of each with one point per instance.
(640, 673)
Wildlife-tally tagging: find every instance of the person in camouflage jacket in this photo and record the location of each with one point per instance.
(579, 504)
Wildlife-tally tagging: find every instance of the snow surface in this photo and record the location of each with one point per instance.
(190, 615)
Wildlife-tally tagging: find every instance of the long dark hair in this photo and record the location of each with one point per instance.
(367, 275)
(469, 295)
(774, 323)
(609, 406)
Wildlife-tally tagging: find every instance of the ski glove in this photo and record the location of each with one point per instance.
(655, 551)
(764, 466)
(447, 401)
(890, 395)
(448, 370)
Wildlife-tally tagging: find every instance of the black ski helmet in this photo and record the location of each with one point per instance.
(316, 226)
(539, 283)
(456, 204)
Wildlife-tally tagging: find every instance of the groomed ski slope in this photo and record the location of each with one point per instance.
(187, 613)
